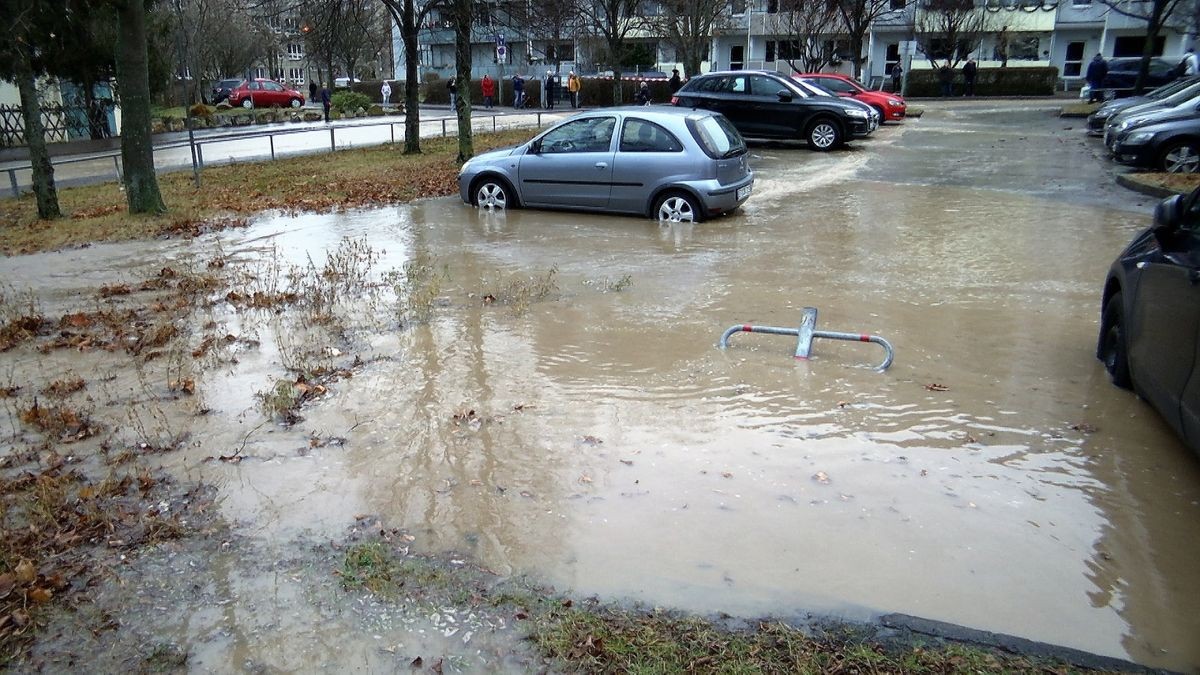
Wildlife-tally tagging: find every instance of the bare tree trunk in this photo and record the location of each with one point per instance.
(137, 147)
(35, 139)
(618, 99)
(462, 57)
(412, 83)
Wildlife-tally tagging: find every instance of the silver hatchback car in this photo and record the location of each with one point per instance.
(668, 163)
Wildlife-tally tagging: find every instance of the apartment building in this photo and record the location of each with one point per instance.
(1060, 33)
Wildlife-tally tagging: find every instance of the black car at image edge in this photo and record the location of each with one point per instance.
(1150, 317)
(766, 105)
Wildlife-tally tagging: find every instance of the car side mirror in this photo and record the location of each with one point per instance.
(535, 147)
(784, 95)
(1168, 216)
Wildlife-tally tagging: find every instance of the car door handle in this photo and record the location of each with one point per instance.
(601, 165)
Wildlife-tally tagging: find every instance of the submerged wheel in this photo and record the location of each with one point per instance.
(677, 207)
(1113, 350)
(492, 194)
(824, 135)
(1182, 157)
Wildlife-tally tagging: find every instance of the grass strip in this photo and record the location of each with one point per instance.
(351, 178)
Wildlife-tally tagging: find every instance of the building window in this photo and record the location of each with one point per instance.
(296, 75)
(260, 72)
(560, 52)
(772, 8)
(295, 51)
(891, 57)
(1131, 45)
(897, 4)
(739, 6)
(783, 50)
(1073, 65)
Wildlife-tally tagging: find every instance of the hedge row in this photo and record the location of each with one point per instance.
(592, 92)
(1039, 81)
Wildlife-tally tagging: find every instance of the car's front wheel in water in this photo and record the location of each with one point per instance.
(1113, 350)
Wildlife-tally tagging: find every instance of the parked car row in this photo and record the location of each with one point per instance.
(769, 105)
(686, 162)
(256, 93)
(1160, 130)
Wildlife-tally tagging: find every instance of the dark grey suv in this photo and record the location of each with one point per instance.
(767, 105)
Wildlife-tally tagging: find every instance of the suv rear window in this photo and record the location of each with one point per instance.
(716, 136)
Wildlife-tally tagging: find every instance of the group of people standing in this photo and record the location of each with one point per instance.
(970, 72)
(552, 90)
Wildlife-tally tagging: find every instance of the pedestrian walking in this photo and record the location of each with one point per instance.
(312, 91)
(1097, 70)
(946, 78)
(325, 100)
(452, 88)
(573, 86)
(1191, 63)
(551, 91)
(970, 70)
(386, 92)
(518, 83)
(675, 83)
(487, 86)
(545, 89)
(643, 94)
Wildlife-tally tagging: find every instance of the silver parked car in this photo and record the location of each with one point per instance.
(669, 163)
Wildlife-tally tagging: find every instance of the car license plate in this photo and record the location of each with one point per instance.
(742, 193)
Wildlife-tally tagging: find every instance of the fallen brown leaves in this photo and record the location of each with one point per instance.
(53, 523)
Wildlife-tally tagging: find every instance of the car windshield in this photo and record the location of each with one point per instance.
(229, 84)
(1183, 95)
(814, 89)
(716, 136)
(1171, 88)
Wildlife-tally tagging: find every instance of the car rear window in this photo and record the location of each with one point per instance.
(716, 136)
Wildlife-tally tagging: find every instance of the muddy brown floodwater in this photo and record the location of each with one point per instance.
(598, 439)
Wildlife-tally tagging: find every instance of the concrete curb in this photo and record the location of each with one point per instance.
(1010, 643)
(1124, 180)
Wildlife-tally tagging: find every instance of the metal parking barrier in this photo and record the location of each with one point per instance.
(807, 332)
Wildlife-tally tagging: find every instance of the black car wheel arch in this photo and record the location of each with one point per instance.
(1112, 348)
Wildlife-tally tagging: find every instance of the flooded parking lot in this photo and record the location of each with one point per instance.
(542, 393)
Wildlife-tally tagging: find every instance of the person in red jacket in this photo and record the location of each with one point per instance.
(488, 86)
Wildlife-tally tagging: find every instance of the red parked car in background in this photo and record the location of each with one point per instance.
(889, 106)
(264, 94)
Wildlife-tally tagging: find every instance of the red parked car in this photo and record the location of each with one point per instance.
(264, 94)
(889, 106)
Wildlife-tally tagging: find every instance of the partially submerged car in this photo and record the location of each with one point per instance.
(668, 163)
(1150, 316)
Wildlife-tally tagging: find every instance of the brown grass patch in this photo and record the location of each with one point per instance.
(322, 182)
(1182, 183)
(64, 387)
(19, 330)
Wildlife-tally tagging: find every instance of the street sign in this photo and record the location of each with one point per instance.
(501, 52)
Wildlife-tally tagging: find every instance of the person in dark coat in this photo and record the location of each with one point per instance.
(551, 90)
(946, 78)
(518, 83)
(312, 91)
(452, 88)
(970, 70)
(1096, 72)
(325, 100)
(897, 78)
(675, 83)
(643, 94)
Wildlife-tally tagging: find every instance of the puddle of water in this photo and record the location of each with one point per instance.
(601, 441)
